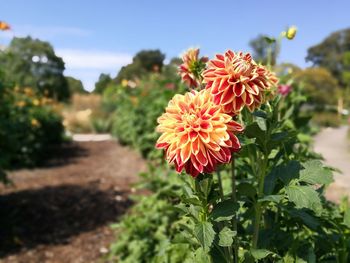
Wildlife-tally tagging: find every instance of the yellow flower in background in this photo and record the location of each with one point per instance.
(28, 91)
(291, 32)
(21, 104)
(36, 102)
(196, 135)
(35, 123)
(124, 82)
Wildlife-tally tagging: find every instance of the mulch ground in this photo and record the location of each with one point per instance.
(62, 212)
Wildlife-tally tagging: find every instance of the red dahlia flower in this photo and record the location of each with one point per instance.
(192, 67)
(235, 81)
(196, 134)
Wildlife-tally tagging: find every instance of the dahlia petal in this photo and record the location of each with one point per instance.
(238, 89)
(227, 96)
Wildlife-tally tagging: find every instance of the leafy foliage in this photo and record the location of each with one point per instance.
(136, 109)
(28, 127)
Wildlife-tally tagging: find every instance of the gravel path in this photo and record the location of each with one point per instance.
(334, 145)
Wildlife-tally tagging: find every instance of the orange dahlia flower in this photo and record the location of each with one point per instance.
(4, 26)
(191, 68)
(236, 80)
(196, 134)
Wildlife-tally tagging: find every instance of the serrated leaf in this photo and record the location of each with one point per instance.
(205, 234)
(226, 236)
(200, 256)
(304, 197)
(315, 173)
(260, 253)
(224, 210)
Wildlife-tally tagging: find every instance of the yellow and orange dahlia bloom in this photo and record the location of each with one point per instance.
(235, 80)
(4, 26)
(191, 67)
(196, 134)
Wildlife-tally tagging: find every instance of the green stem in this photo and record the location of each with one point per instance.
(220, 185)
(234, 200)
(258, 206)
(228, 252)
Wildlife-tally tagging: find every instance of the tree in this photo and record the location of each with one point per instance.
(330, 54)
(261, 46)
(75, 85)
(143, 62)
(31, 62)
(319, 84)
(102, 83)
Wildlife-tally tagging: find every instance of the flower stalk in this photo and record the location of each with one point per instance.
(258, 207)
(234, 200)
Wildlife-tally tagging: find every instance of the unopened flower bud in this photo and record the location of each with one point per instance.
(291, 32)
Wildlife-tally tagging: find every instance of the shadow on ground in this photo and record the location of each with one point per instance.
(52, 215)
(64, 154)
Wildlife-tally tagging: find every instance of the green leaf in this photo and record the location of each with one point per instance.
(254, 131)
(260, 253)
(347, 217)
(224, 210)
(315, 173)
(304, 196)
(226, 236)
(246, 189)
(260, 113)
(205, 234)
(269, 40)
(200, 256)
(289, 171)
(261, 123)
(271, 198)
(309, 220)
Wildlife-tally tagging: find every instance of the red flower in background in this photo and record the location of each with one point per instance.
(191, 67)
(284, 90)
(235, 81)
(196, 134)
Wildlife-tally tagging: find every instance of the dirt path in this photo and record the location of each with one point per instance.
(334, 145)
(61, 213)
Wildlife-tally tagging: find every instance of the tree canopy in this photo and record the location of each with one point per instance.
(330, 54)
(143, 62)
(102, 83)
(32, 62)
(75, 85)
(261, 47)
(319, 84)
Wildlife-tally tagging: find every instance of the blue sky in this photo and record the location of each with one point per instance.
(101, 36)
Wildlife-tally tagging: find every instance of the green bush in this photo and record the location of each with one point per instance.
(28, 127)
(137, 109)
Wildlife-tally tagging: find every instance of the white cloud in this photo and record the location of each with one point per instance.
(87, 65)
(93, 59)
